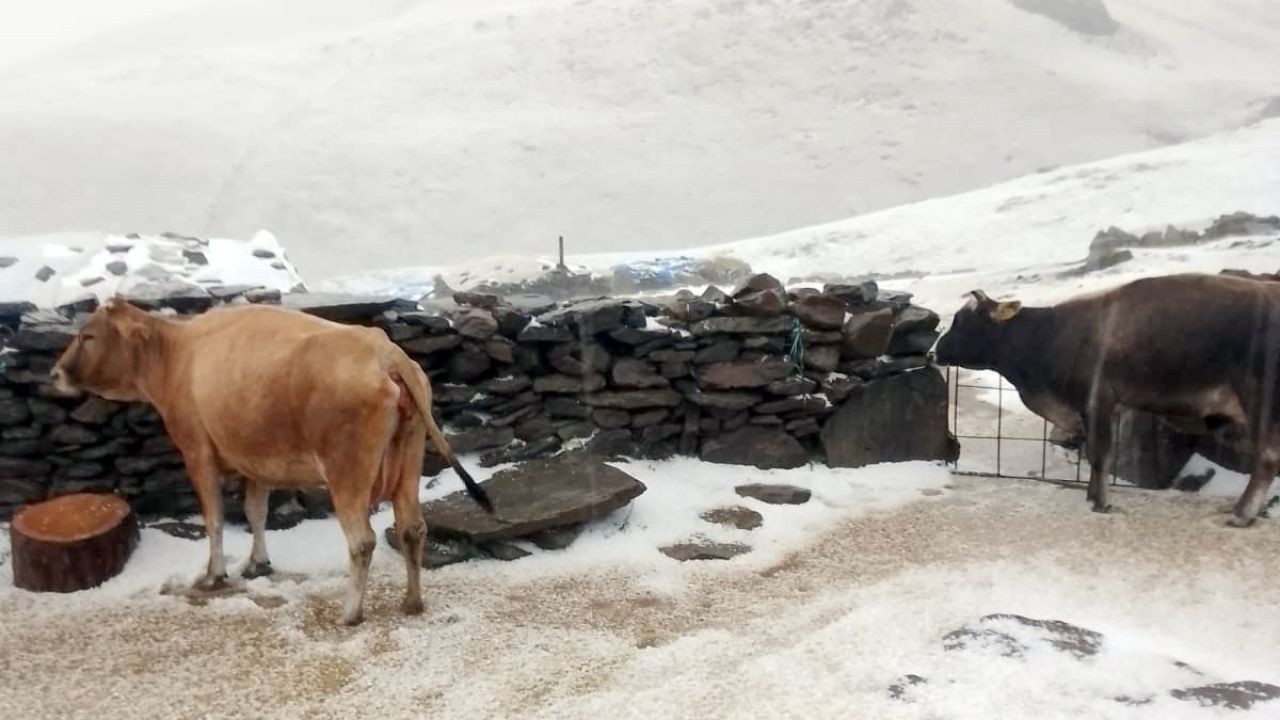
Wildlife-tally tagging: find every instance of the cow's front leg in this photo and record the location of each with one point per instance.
(1100, 456)
(256, 495)
(205, 480)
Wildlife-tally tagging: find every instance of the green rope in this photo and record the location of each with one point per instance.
(796, 354)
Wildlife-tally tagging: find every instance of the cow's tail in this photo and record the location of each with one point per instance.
(413, 379)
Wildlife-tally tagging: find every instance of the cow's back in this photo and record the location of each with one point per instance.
(271, 387)
(1174, 335)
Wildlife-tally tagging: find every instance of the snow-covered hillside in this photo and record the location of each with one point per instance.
(375, 134)
(1025, 237)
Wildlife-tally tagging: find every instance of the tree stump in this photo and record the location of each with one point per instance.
(71, 543)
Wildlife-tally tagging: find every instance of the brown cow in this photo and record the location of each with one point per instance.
(1189, 346)
(285, 400)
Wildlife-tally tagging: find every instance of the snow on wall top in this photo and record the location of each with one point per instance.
(50, 270)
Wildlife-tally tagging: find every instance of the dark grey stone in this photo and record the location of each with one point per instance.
(853, 294)
(521, 453)
(557, 538)
(95, 411)
(19, 490)
(613, 443)
(649, 417)
(719, 351)
(1233, 695)
(510, 321)
(14, 411)
(24, 469)
(468, 365)
(432, 344)
(736, 516)
(742, 374)
(769, 303)
(610, 419)
(634, 399)
(742, 326)
(345, 308)
(171, 293)
(568, 384)
(762, 447)
(894, 419)
(774, 494)
(725, 400)
(433, 324)
(655, 434)
(636, 373)
(545, 333)
(676, 356)
(826, 358)
(509, 385)
(685, 552)
(793, 405)
(43, 331)
(483, 438)
(537, 496)
(791, 387)
(823, 312)
(867, 334)
(559, 406)
(475, 323)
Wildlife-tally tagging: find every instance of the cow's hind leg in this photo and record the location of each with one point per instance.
(353, 515)
(1100, 454)
(352, 471)
(409, 445)
(1265, 465)
(256, 495)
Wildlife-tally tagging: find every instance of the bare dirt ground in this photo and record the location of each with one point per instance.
(822, 631)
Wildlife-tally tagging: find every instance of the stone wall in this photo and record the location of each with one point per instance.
(761, 377)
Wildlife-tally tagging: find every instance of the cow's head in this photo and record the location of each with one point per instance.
(973, 337)
(104, 357)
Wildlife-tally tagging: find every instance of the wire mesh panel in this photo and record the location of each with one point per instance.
(999, 437)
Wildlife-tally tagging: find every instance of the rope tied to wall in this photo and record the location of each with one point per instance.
(795, 354)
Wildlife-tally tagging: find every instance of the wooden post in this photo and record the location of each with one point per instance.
(562, 265)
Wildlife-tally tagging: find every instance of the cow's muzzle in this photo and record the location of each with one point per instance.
(62, 383)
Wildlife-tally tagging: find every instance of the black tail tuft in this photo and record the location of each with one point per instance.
(476, 492)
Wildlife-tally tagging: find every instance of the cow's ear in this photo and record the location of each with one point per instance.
(1004, 312)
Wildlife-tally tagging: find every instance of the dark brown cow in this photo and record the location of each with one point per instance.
(1202, 346)
(285, 400)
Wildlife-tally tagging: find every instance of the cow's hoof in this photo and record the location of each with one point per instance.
(211, 583)
(1103, 509)
(1236, 521)
(256, 570)
(412, 607)
(351, 619)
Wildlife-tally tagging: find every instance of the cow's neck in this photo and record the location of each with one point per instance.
(1024, 348)
(152, 357)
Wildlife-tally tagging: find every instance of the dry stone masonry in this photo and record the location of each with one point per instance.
(758, 376)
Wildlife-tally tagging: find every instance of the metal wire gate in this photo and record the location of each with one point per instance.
(1056, 464)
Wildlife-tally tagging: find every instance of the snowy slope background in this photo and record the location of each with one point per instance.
(435, 132)
(1025, 237)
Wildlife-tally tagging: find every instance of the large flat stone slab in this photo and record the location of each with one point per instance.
(538, 495)
(894, 419)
